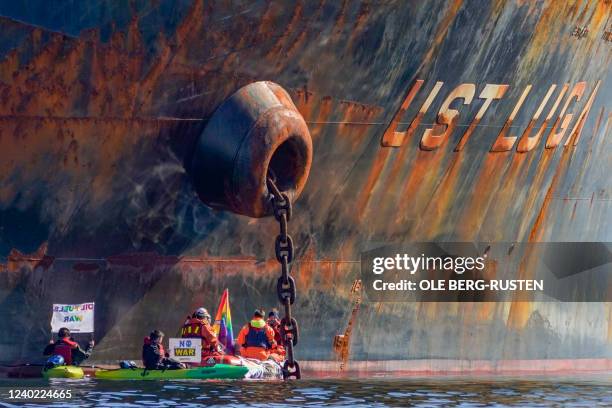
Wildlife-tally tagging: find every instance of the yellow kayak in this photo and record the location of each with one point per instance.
(63, 372)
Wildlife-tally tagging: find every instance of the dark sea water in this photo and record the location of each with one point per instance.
(585, 391)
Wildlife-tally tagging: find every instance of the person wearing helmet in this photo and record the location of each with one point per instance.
(198, 326)
(68, 349)
(256, 338)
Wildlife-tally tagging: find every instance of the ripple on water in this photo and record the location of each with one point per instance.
(378, 392)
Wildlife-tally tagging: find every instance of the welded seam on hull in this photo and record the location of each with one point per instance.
(174, 119)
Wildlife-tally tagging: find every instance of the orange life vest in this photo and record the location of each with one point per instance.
(192, 328)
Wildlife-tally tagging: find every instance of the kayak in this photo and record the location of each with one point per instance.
(63, 372)
(217, 372)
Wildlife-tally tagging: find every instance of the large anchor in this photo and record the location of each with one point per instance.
(253, 158)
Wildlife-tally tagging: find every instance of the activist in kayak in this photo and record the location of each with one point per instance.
(198, 326)
(274, 322)
(257, 346)
(256, 340)
(68, 349)
(154, 356)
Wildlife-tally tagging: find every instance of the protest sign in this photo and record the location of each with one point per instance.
(186, 350)
(78, 318)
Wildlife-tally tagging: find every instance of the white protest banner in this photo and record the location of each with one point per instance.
(186, 350)
(77, 318)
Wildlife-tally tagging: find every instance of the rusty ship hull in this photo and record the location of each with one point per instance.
(102, 103)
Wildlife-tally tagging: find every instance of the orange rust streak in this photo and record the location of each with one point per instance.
(51, 98)
(340, 20)
(187, 26)
(134, 40)
(295, 18)
(536, 231)
(563, 121)
(577, 130)
(355, 113)
(306, 269)
(505, 143)
(391, 137)
(518, 314)
(486, 310)
(482, 194)
(489, 93)
(520, 309)
(441, 199)
(304, 102)
(515, 179)
(295, 45)
(265, 22)
(535, 186)
(361, 21)
(441, 33)
(592, 147)
(497, 216)
(528, 143)
(399, 160)
(418, 185)
(447, 118)
(366, 192)
(16, 259)
(325, 109)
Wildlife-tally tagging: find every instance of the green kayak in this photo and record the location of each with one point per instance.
(217, 372)
(63, 372)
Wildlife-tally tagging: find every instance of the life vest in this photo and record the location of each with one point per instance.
(256, 337)
(192, 329)
(160, 347)
(275, 324)
(151, 358)
(64, 348)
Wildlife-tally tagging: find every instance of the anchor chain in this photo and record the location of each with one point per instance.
(285, 286)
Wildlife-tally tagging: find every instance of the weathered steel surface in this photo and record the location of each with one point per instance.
(101, 104)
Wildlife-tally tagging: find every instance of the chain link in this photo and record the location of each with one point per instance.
(285, 286)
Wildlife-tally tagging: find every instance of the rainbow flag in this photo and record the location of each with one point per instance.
(223, 324)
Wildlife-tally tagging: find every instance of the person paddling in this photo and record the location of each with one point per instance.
(70, 350)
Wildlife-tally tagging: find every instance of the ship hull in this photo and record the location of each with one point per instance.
(101, 111)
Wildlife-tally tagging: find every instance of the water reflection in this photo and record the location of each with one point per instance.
(417, 392)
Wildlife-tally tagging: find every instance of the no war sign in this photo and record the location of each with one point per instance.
(186, 350)
(79, 318)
